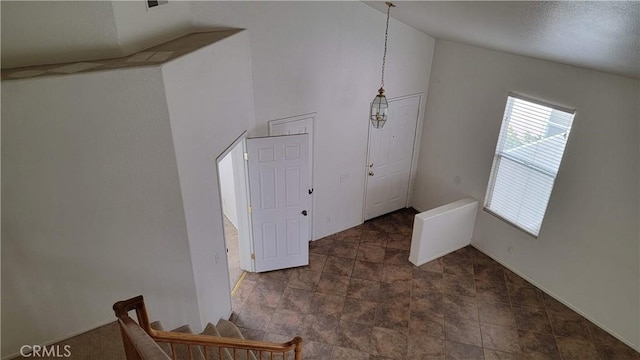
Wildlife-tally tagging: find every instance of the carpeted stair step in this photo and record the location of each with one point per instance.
(228, 329)
(212, 352)
(182, 351)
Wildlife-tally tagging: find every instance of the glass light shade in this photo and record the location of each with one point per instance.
(379, 110)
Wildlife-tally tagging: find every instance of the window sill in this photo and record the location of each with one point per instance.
(534, 235)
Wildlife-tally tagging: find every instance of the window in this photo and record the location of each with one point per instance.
(529, 151)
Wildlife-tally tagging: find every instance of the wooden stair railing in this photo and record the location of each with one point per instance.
(141, 341)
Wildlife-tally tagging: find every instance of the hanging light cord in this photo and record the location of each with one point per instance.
(386, 36)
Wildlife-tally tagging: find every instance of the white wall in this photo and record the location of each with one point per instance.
(228, 189)
(587, 253)
(210, 104)
(92, 210)
(49, 32)
(325, 57)
(139, 27)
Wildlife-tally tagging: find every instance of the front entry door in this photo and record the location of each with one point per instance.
(279, 189)
(390, 158)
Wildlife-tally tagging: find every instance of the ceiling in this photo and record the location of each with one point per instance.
(603, 36)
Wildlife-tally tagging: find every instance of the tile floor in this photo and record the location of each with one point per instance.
(360, 298)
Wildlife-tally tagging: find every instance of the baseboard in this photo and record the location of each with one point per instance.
(335, 232)
(558, 298)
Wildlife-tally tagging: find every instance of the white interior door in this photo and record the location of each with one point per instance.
(279, 184)
(390, 158)
(301, 124)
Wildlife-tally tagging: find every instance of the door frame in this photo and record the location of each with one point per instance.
(414, 158)
(312, 117)
(243, 207)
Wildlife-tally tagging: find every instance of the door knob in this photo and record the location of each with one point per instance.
(304, 212)
(370, 173)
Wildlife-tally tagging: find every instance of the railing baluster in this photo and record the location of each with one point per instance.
(190, 352)
(220, 352)
(204, 350)
(173, 351)
(298, 350)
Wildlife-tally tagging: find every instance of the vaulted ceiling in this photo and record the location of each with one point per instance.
(603, 36)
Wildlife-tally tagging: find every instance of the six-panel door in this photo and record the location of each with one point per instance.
(279, 185)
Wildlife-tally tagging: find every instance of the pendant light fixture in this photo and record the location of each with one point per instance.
(379, 106)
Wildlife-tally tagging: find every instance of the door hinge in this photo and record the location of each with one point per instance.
(250, 209)
(310, 191)
(253, 256)
(246, 156)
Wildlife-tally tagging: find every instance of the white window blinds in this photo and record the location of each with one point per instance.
(529, 151)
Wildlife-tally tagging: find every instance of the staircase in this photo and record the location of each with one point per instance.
(223, 341)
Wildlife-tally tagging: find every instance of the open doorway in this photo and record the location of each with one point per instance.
(274, 232)
(234, 201)
(230, 214)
